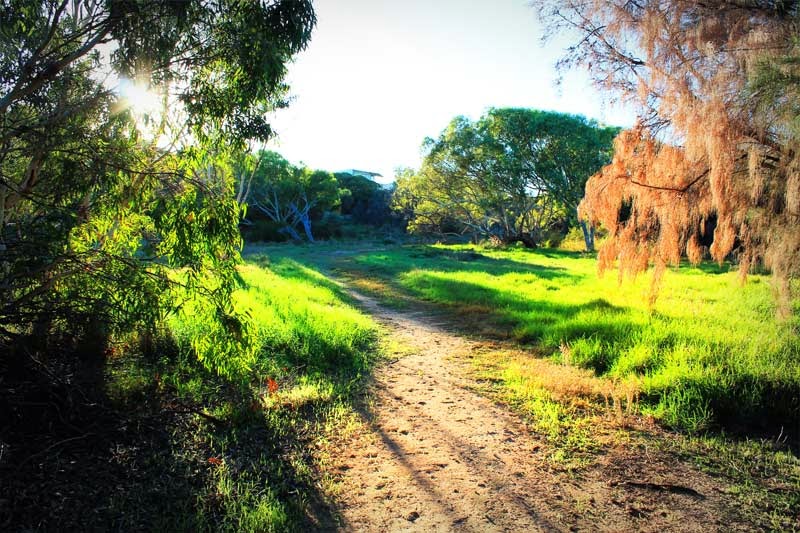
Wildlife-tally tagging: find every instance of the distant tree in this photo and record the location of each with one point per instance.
(428, 206)
(510, 175)
(719, 135)
(366, 201)
(360, 191)
(556, 153)
(406, 197)
(288, 194)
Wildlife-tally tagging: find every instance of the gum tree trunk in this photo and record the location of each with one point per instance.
(588, 235)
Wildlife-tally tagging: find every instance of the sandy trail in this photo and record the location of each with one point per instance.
(439, 457)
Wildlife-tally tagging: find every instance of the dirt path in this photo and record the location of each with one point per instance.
(439, 457)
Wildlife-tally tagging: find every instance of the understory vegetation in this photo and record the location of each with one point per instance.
(163, 443)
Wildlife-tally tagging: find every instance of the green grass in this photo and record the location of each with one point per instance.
(588, 356)
(237, 441)
(264, 419)
(710, 353)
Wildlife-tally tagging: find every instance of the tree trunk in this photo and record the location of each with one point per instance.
(307, 226)
(588, 235)
(528, 241)
(291, 232)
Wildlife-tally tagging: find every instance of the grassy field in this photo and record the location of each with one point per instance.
(311, 352)
(566, 349)
(710, 354)
(160, 443)
(588, 362)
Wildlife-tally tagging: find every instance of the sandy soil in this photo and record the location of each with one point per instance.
(436, 456)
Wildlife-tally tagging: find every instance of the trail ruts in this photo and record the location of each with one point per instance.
(436, 456)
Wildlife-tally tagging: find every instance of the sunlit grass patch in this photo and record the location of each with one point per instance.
(380, 290)
(710, 353)
(564, 381)
(297, 395)
(245, 504)
(302, 319)
(514, 378)
(262, 415)
(370, 286)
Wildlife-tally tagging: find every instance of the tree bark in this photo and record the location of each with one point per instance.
(306, 221)
(588, 235)
(288, 229)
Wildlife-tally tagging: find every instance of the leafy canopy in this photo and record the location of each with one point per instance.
(100, 201)
(510, 175)
(290, 195)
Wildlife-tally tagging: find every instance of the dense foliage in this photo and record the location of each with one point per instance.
(717, 145)
(510, 176)
(101, 198)
(287, 202)
(364, 200)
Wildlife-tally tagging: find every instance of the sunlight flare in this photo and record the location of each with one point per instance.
(139, 98)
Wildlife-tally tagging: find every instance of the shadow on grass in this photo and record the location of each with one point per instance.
(98, 444)
(710, 267)
(528, 320)
(744, 404)
(458, 261)
(299, 270)
(595, 333)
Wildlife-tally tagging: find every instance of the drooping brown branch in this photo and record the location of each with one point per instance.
(673, 189)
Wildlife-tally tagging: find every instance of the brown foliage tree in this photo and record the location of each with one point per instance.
(717, 86)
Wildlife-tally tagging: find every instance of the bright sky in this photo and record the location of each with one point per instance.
(381, 75)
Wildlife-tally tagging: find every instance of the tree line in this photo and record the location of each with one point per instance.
(511, 176)
(514, 175)
(293, 202)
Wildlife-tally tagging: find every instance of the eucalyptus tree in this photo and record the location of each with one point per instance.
(509, 176)
(554, 154)
(289, 195)
(100, 195)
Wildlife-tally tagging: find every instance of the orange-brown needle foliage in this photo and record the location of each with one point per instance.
(716, 148)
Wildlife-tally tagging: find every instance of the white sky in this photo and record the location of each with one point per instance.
(381, 75)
